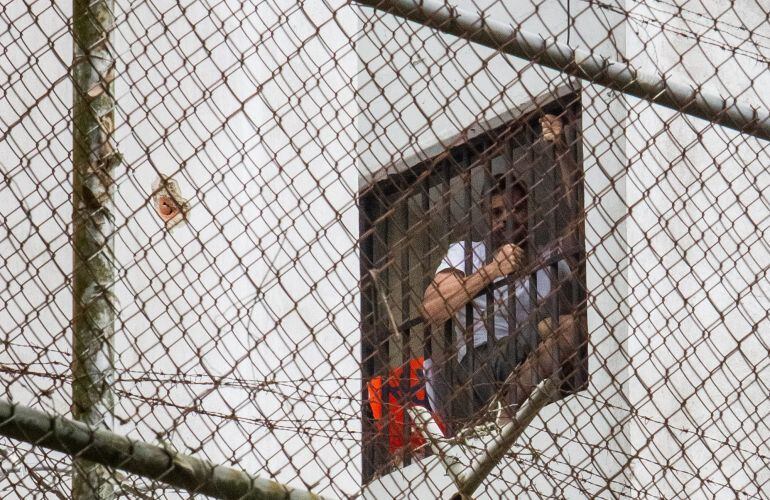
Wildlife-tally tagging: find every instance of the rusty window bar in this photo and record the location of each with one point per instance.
(510, 282)
(553, 275)
(469, 336)
(532, 211)
(447, 370)
(489, 311)
(406, 351)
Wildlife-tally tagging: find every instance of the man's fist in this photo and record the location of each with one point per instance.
(509, 259)
(552, 127)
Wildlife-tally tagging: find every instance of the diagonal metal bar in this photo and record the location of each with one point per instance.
(486, 460)
(440, 445)
(137, 457)
(468, 478)
(725, 111)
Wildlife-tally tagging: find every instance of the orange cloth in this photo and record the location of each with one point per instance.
(387, 402)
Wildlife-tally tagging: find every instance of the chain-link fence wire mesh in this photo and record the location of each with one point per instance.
(291, 177)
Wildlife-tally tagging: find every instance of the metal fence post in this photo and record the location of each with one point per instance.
(94, 160)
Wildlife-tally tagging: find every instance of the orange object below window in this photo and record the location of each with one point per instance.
(387, 401)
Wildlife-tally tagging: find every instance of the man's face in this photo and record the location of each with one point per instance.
(514, 209)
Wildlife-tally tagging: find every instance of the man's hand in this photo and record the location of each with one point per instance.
(552, 127)
(451, 290)
(509, 259)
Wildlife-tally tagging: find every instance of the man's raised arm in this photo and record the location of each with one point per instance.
(451, 289)
(553, 132)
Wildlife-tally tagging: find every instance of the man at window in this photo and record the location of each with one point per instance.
(535, 349)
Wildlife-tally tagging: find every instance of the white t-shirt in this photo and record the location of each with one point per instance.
(455, 258)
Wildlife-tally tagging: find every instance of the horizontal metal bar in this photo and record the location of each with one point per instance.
(725, 111)
(137, 457)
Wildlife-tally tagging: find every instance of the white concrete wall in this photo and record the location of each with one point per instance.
(698, 284)
(35, 206)
(251, 110)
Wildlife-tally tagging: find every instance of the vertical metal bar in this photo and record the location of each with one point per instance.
(489, 250)
(406, 273)
(573, 217)
(580, 270)
(426, 273)
(406, 350)
(554, 207)
(510, 282)
(553, 268)
(578, 262)
(468, 270)
(427, 277)
(577, 217)
(93, 274)
(370, 456)
(577, 151)
(533, 210)
(385, 358)
(447, 372)
(380, 329)
(449, 347)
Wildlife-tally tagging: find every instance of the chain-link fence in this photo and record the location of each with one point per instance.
(384, 249)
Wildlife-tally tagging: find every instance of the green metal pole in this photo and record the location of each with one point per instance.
(683, 97)
(93, 274)
(196, 476)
